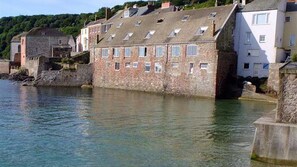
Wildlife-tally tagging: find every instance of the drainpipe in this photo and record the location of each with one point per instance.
(213, 28)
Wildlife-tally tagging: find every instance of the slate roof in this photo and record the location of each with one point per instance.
(17, 38)
(45, 32)
(172, 20)
(260, 5)
(291, 7)
(96, 22)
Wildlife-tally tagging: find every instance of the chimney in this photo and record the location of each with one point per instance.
(166, 5)
(213, 28)
(107, 13)
(151, 5)
(243, 2)
(216, 3)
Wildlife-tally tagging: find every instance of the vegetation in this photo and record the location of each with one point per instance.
(294, 57)
(71, 24)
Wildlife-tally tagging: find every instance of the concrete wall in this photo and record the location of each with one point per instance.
(287, 106)
(273, 79)
(79, 77)
(4, 67)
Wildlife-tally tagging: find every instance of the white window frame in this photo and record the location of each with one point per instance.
(135, 64)
(191, 68)
(158, 67)
(262, 38)
(105, 52)
(160, 51)
(128, 51)
(115, 66)
(174, 32)
(292, 41)
(128, 36)
(256, 19)
(174, 64)
(174, 49)
(147, 64)
(201, 30)
(128, 64)
(142, 51)
(203, 66)
(192, 50)
(116, 52)
(150, 34)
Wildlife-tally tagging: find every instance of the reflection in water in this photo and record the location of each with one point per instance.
(101, 127)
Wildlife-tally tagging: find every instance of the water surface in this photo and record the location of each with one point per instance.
(102, 127)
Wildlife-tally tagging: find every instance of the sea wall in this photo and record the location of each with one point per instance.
(4, 67)
(273, 79)
(82, 75)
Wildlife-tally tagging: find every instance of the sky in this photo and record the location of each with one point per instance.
(35, 7)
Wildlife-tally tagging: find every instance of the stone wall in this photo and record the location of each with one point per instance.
(79, 77)
(4, 67)
(36, 65)
(175, 76)
(273, 79)
(287, 106)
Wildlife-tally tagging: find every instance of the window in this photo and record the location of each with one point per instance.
(158, 67)
(261, 18)
(135, 64)
(110, 38)
(212, 15)
(265, 66)
(248, 38)
(174, 65)
(203, 66)
(60, 41)
(185, 18)
(159, 51)
(160, 20)
(117, 66)
(128, 65)
(174, 32)
(126, 13)
(19, 48)
(128, 36)
(254, 52)
(127, 52)
(150, 34)
(191, 68)
(262, 38)
(116, 52)
(191, 50)
(246, 65)
(104, 52)
(119, 25)
(288, 19)
(142, 51)
(147, 67)
(175, 51)
(292, 40)
(138, 23)
(201, 30)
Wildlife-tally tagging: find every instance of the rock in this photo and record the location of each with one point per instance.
(249, 87)
(87, 86)
(4, 76)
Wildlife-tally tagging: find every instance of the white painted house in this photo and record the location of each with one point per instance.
(84, 37)
(258, 37)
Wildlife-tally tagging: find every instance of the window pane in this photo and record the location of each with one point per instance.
(147, 67)
(127, 52)
(159, 51)
(191, 50)
(175, 51)
(158, 67)
(142, 51)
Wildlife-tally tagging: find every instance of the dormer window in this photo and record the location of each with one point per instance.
(138, 23)
(126, 14)
(201, 30)
(212, 15)
(185, 18)
(119, 25)
(150, 34)
(128, 36)
(174, 32)
(160, 20)
(111, 37)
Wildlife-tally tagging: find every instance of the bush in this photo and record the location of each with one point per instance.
(67, 61)
(294, 57)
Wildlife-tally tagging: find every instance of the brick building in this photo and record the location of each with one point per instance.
(183, 52)
(46, 42)
(94, 32)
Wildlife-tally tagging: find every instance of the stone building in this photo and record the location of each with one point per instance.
(94, 32)
(290, 32)
(46, 42)
(182, 52)
(15, 48)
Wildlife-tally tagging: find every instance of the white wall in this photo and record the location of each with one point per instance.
(85, 38)
(14, 49)
(267, 50)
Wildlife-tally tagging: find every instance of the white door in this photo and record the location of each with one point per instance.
(257, 68)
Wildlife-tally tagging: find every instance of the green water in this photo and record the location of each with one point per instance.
(101, 127)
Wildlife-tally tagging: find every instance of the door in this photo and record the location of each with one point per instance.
(257, 68)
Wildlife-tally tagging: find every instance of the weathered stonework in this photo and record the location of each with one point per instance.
(273, 79)
(287, 106)
(4, 67)
(82, 75)
(36, 65)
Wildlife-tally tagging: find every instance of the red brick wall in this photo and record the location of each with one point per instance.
(171, 80)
